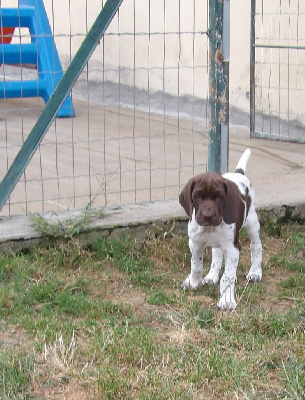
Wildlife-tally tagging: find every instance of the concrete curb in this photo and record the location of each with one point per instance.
(139, 221)
(284, 213)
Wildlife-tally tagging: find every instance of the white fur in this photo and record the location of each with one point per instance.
(243, 161)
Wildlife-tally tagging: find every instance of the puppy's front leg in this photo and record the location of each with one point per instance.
(195, 278)
(227, 282)
(212, 277)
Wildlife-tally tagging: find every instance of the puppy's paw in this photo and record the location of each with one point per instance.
(226, 305)
(190, 284)
(254, 275)
(210, 280)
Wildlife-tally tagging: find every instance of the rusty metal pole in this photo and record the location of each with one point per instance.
(219, 51)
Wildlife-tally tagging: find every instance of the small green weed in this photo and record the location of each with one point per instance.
(67, 228)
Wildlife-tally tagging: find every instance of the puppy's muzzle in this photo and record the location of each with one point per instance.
(208, 216)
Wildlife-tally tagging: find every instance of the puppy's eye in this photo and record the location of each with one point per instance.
(219, 200)
(218, 196)
(198, 198)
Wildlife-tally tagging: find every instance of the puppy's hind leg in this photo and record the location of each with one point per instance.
(252, 227)
(212, 277)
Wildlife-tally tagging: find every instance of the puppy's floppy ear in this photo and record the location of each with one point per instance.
(231, 210)
(185, 198)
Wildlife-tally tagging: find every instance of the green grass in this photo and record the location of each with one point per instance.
(109, 321)
(16, 374)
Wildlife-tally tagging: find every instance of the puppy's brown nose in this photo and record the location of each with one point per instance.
(208, 213)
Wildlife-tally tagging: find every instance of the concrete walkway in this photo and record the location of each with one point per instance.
(276, 170)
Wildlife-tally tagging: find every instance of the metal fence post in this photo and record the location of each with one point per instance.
(219, 53)
(252, 69)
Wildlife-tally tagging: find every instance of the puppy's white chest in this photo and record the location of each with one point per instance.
(210, 236)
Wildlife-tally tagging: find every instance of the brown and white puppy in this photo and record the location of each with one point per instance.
(218, 207)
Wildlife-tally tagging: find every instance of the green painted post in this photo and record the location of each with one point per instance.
(64, 87)
(219, 18)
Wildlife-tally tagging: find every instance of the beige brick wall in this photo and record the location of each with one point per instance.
(76, 17)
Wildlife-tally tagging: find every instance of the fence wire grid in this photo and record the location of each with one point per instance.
(279, 63)
(140, 127)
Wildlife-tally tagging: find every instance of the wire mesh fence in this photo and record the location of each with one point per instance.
(278, 62)
(139, 132)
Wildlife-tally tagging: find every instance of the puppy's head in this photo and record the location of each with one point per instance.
(212, 197)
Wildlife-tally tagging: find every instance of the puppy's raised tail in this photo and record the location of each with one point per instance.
(242, 163)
